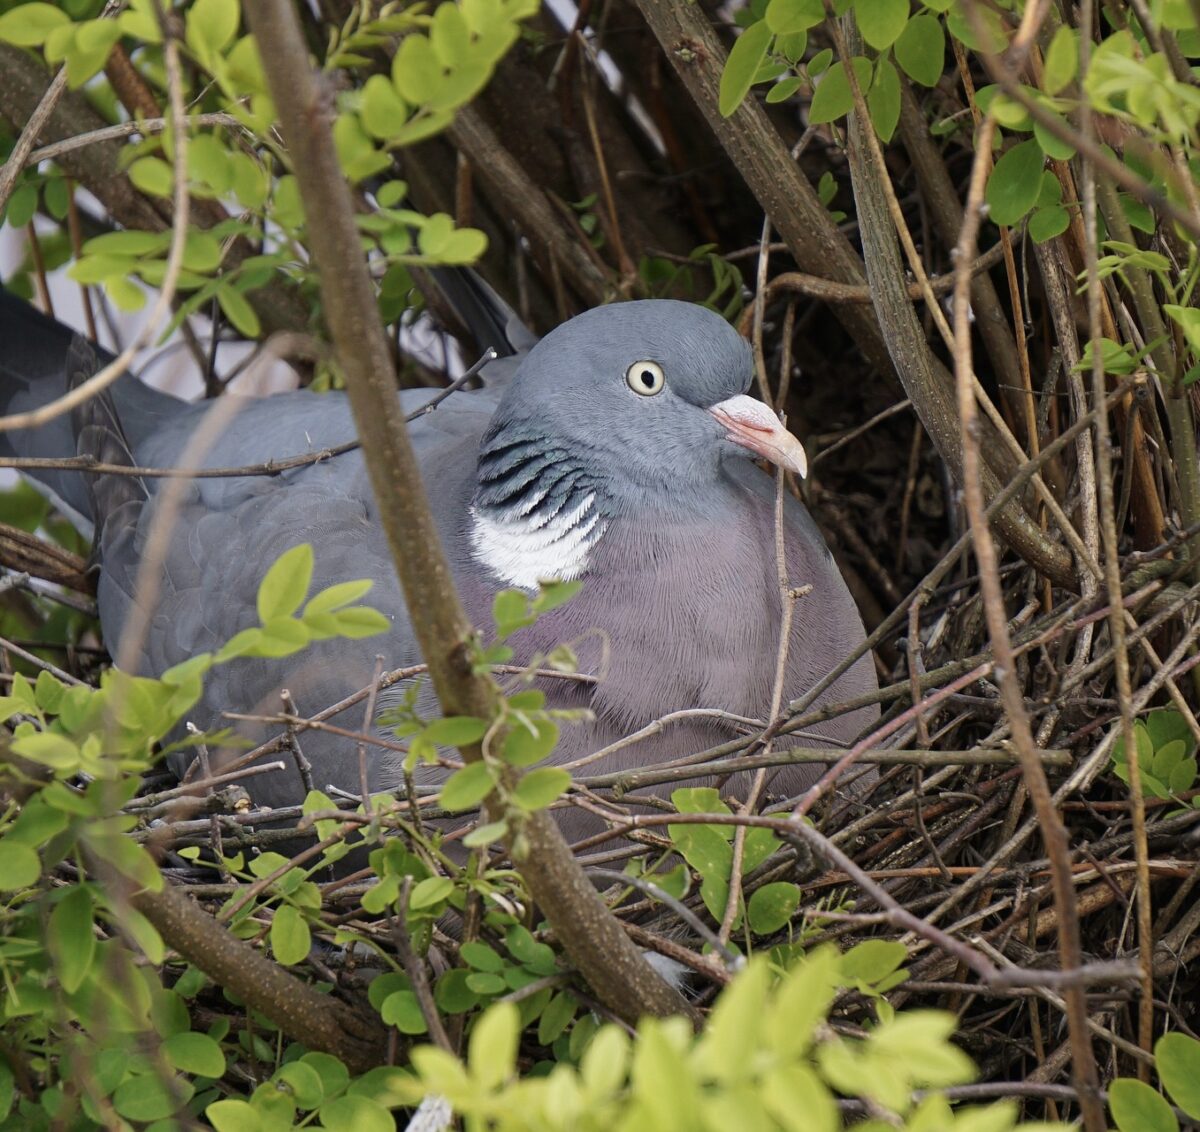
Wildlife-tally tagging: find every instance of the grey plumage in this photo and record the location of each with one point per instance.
(670, 526)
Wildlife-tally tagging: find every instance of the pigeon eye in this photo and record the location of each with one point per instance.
(646, 378)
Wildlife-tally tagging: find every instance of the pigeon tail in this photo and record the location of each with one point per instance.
(38, 357)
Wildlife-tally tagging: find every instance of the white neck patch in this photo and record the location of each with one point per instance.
(523, 551)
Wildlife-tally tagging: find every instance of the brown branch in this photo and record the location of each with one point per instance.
(593, 939)
(318, 1020)
(1054, 833)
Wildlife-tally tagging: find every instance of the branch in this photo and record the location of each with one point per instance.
(307, 1015)
(593, 939)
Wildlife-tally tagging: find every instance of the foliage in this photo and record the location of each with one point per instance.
(446, 55)
(1137, 1107)
(77, 992)
(767, 1059)
(1166, 755)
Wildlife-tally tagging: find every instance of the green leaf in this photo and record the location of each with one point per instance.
(1062, 60)
(281, 636)
(382, 109)
(27, 25)
(921, 49)
(402, 1010)
(147, 1097)
(237, 309)
(796, 1097)
(556, 1017)
(1182, 776)
(731, 1035)
(833, 98)
(703, 848)
(21, 206)
(872, 960)
(48, 749)
(883, 99)
(1177, 1058)
(745, 57)
(20, 866)
(552, 594)
(1015, 182)
(456, 731)
(234, 1116)
(125, 293)
(209, 163)
(1046, 223)
(783, 90)
(487, 834)
(290, 936)
(431, 891)
(510, 611)
(190, 1052)
(304, 1082)
(360, 621)
(1051, 145)
(286, 582)
(481, 956)
(453, 995)
(1136, 1107)
(492, 1050)
(416, 70)
(786, 17)
(980, 28)
(1188, 320)
(1166, 725)
(338, 596)
(539, 788)
(93, 41)
(700, 800)
(71, 938)
(152, 175)
(211, 26)
(356, 1114)
(524, 747)
(881, 21)
(468, 787)
(772, 906)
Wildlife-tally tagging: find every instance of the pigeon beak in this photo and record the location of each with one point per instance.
(753, 425)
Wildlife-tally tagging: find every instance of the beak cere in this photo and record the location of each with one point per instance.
(754, 426)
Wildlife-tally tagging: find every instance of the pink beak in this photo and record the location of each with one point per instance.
(753, 425)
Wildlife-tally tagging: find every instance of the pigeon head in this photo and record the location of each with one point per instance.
(625, 408)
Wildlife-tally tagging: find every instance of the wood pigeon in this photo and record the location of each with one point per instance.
(619, 451)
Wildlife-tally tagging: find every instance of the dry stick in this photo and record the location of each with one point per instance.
(939, 572)
(1054, 833)
(828, 291)
(757, 310)
(793, 830)
(143, 126)
(368, 719)
(883, 181)
(593, 939)
(787, 600)
(793, 756)
(1112, 572)
(273, 467)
